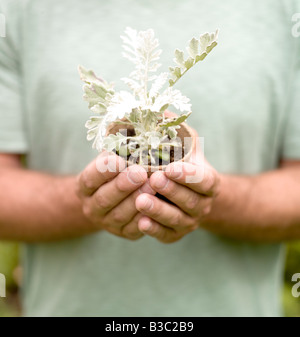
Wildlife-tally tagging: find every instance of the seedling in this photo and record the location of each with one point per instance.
(133, 124)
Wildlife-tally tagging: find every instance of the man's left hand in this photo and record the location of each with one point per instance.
(191, 187)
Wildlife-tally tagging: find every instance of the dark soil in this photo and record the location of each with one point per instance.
(146, 160)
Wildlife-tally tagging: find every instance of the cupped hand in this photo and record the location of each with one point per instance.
(108, 191)
(191, 187)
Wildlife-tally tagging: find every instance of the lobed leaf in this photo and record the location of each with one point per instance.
(88, 76)
(175, 121)
(179, 57)
(193, 48)
(113, 142)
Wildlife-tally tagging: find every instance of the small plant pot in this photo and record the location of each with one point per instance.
(185, 134)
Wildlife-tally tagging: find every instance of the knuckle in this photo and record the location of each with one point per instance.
(101, 201)
(78, 189)
(86, 180)
(132, 235)
(87, 211)
(209, 182)
(119, 217)
(192, 201)
(176, 219)
(206, 210)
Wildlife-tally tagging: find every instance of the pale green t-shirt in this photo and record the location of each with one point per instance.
(245, 105)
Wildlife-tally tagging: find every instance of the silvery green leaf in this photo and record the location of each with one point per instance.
(144, 108)
(175, 121)
(141, 49)
(123, 151)
(99, 108)
(101, 89)
(91, 96)
(160, 103)
(153, 68)
(153, 134)
(149, 119)
(154, 138)
(154, 142)
(92, 133)
(193, 48)
(207, 42)
(179, 57)
(177, 72)
(198, 50)
(210, 48)
(113, 142)
(200, 57)
(93, 122)
(135, 153)
(158, 84)
(189, 63)
(132, 84)
(171, 132)
(134, 116)
(121, 103)
(172, 97)
(88, 76)
(156, 54)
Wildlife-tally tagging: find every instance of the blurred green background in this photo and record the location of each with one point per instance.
(9, 266)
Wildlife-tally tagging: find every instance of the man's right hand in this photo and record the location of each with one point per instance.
(108, 191)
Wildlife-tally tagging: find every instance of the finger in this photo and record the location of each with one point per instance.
(200, 178)
(155, 230)
(125, 211)
(131, 230)
(186, 199)
(163, 212)
(113, 192)
(99, 171)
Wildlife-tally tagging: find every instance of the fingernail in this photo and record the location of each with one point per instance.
(147, 203)
(136, 177)
(161, 181)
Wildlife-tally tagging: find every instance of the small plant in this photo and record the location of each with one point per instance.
(145, 135)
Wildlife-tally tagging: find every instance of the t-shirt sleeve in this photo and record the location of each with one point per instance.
(12, 128)
(291, 139)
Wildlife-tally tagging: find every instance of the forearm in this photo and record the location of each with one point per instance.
(263, 208)
(39, 207)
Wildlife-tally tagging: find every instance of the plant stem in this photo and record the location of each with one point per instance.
(178, 78)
